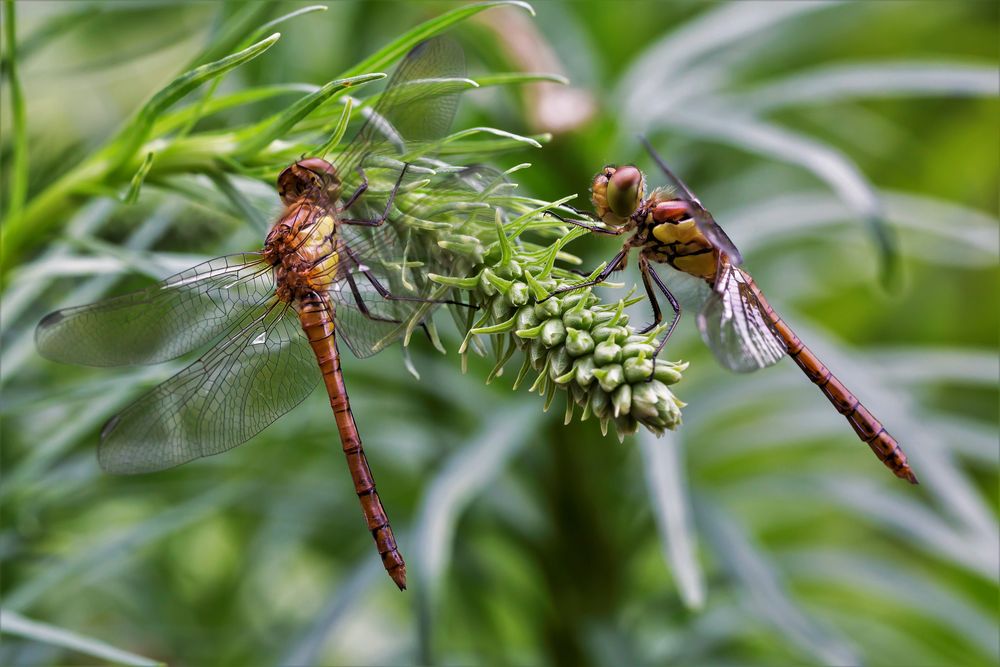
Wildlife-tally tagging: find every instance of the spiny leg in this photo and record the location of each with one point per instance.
(376, 222)
(648, 271)
(590, 228)
(365, 311)
(361, 189)
(384, 292)
(601, 277)
(657, 313)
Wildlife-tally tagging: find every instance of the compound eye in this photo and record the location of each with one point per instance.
(625, 190)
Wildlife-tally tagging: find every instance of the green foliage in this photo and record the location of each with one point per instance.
(760, 532)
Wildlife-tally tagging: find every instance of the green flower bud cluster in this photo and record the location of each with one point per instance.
(570, 342)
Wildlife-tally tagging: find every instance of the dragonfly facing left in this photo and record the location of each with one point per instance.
(328, 270)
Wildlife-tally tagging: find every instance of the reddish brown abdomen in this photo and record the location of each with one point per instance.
(316, 317)
(869, 429)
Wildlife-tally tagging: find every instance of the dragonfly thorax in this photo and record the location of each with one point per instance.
(302, 248)
(668, 234)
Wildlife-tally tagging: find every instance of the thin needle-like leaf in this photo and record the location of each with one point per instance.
(764, 593)
(101, 560)
(138, 130)
(393, 51)
(137, 180)
(12, 623)
(259, 139)
(666, 482)
(657, 69)
(17, 188)
(870, 80)
(468, 472)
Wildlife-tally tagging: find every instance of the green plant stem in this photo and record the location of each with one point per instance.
(18, 190)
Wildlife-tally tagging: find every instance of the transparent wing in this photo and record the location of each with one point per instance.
(364, 320)
(415, 109)
(261, 369)
(161, 322)
(715, 234)
(706, 223)
(736, 327)
(390, 259)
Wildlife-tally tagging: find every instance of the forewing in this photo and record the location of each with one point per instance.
(735, 326)
(389, 259)
(706, 223)
(365, 320)
(260, 370)
(161, 322)
(717, 236)
(416, 108)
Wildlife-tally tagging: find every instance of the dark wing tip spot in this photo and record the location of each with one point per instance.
(51, 319)
(109, 427)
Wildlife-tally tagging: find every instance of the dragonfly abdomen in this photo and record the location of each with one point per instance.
(316, 317)
(869, 429)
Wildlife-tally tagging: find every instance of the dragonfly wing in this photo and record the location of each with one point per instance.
(735, 326)
(365, 320)
(717, 236)
(161, 322)
(388, 259)
(706, 223)
(415, 109)
(261, 369)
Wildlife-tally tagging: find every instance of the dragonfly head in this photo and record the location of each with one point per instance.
(617, 193)
(311, 176)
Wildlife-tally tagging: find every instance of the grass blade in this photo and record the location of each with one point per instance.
(344, 597)
(260, 139)
(764, 593)
(666, 481)
(518, 78)
(274, 23)
(396, 49)
(89, 565)
(466, 474)
(844, 83)
(138, 130)
(661, 64)
(132, 196)
(17, 190)
(12, 623)
(232, 31)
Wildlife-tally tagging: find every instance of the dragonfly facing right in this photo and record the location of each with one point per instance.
(671, 227)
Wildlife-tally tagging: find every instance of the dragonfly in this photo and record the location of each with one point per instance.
(329, 270)
(671, 227)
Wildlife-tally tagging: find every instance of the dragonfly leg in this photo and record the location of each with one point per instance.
(648, 271)
(590, 228)
(358, 192)
(376, 222)
(584, 213)
(364, 310)
(657, 313)
(615, 264)
(384, 292)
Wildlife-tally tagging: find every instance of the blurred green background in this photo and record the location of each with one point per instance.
(760, 533)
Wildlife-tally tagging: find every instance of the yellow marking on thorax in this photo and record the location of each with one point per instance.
(687, 248)
(682, 232)
(319, 245)
(701, 266)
